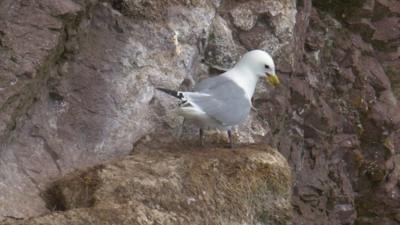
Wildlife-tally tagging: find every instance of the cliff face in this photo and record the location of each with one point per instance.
(349, 168)
(77, 88)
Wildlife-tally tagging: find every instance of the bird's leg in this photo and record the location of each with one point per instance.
(201, 133)
(230, 138)
(180, 131)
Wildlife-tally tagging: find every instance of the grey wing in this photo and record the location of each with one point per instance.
(225, 102)
(210, 83)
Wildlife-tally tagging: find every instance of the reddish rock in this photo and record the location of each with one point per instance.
(387, 29)
(375, 73)
(78, 77)
(393, 6)
(254, 37)
(60, 7)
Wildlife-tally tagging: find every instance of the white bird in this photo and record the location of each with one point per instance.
(224, 101)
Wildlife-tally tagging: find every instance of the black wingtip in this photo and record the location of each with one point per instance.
(170, 92)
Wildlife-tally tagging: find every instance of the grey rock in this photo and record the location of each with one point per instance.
(77, 88)
(222, 52)
(243, 17)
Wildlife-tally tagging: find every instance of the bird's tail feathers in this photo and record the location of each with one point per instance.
(176, 94)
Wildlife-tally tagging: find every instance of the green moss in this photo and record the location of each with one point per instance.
(268, 218)
(380, 11)
(384, 46)
(10, 101)
(365, 207)
(367, 221)
(211, 37)
(14, 59)
(299, 3)
(340, 8)
(394, 77)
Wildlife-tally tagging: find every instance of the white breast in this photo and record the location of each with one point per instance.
(244, 79)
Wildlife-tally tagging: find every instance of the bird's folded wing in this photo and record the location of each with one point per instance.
(229, 110)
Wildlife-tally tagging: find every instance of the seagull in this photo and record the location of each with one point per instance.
(224, 101)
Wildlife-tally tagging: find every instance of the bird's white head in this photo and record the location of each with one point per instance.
(261, 64)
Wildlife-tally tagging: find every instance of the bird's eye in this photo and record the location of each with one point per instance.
(266, 67)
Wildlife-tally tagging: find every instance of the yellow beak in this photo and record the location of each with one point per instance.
(273, 80)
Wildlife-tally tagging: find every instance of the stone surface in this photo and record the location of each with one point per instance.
(176, 185)
(243, 18)
(348, 166)
(222, 52)
(78, 78)
(31, 42)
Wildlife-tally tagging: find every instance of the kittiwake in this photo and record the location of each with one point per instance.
(224, 101)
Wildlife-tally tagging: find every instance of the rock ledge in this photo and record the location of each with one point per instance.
(248, 185)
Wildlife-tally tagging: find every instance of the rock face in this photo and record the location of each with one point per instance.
(77, 88)
(349, 170)
(80, 78)
(218, 186)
